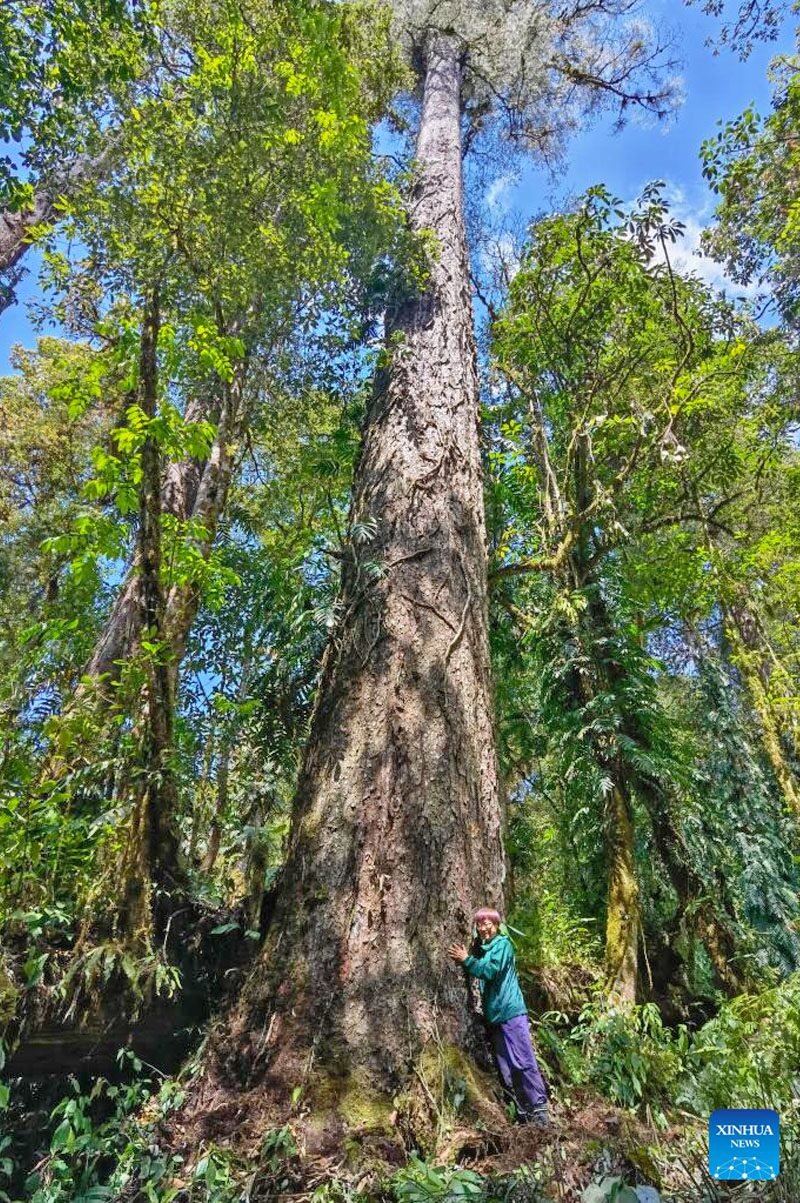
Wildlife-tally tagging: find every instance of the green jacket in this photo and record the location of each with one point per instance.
(497, 978)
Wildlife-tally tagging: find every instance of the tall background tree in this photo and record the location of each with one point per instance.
(612, 465)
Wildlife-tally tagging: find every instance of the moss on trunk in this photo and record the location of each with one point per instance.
(623, 915)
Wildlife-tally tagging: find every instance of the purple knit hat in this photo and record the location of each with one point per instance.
(487, 913)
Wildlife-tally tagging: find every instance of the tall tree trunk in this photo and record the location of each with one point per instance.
(224, 770)
(208, 500)
(623, 906)
(152, 855)
(397, 824)
(190, 490)
(623, 912)
(179, 498)
(168, 621)
(743, 635)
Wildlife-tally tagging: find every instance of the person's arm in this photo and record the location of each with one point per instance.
(491, 963)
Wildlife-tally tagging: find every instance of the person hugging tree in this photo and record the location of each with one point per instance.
(506, 1017)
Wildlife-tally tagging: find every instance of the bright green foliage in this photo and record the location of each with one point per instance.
(742, 1057)
(734, 829)
(242, 180)
(252, 662)
(638, 409)
(239, 172)
(45, 448)
(67, 68)
(244, 192)
(102, 1127)
(642, 491)
(627, 1055)
(49, 616)
(753, 164)
(746, 1056)
(419, 1182)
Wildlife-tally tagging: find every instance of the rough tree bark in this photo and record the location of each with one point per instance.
(397, 824)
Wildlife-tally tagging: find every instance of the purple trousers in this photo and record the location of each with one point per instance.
(516, 1064)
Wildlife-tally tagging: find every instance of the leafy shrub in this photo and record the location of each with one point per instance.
(627, 1054)
(99, 1142)
(748, 1055)
(419, 1182)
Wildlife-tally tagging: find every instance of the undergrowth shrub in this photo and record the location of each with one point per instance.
(748, 1055)
(100, 1140)
(419, 1182)
(626, 1054)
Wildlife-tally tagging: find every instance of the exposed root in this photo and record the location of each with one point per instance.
(445, 1108)
(524, 1164)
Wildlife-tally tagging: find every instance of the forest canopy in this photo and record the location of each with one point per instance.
(371, 554)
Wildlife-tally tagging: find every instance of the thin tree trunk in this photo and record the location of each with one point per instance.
(153, 849)
(397, 823)
(255, 868)
(623, 906)
(179, 498)
(223, 774)
(623, 916)
(14, 229)
(199, 813)
(694, 897)
(744, 643)
(208, 505)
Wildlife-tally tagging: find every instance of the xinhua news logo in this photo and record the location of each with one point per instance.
(744, 1144)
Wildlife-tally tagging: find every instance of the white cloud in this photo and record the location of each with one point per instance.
(685, 254)
(497, 195)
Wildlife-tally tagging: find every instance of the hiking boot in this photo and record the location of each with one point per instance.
(540, 1117)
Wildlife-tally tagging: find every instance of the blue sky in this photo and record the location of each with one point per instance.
(715, 87)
